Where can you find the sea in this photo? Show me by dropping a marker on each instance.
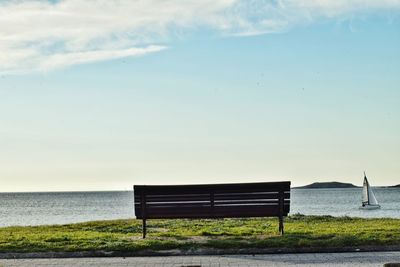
(72, 207)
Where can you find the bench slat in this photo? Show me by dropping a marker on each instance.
(178, 205)
(216, 202)
(176, 198)
(217, 212)
(216, 188)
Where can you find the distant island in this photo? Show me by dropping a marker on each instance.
(327, 185)
(391, 186)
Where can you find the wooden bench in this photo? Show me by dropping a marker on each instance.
(212, 201)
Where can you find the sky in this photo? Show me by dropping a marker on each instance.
(102, 95)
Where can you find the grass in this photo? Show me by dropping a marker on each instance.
(125, 235)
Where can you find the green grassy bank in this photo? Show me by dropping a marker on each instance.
(125, 235)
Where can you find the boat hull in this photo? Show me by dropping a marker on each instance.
(370, 207)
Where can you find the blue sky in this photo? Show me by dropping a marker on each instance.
(310, 97)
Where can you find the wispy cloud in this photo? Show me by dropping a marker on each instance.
(71, 58)
(44, 35)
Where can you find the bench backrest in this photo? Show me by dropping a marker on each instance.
(212, 200)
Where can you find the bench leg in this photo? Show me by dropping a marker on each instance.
(281, 224)
(144, 228)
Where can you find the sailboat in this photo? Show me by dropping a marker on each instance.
(369, 201)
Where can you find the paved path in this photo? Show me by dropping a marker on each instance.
(312, 259)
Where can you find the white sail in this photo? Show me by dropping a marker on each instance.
(372, 198)
(365, 191)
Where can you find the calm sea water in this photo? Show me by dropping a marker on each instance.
(70, 207)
